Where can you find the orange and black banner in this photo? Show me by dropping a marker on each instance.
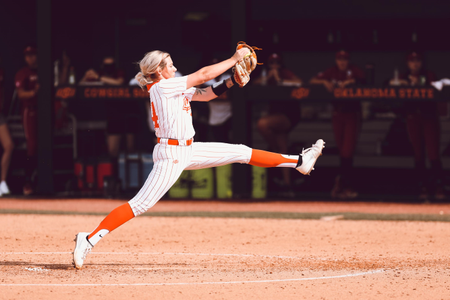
(316, 93)
(273, 93)
(95, 92)
(386, 93)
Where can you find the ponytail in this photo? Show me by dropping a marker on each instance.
(142, 80)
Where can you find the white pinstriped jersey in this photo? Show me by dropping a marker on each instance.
(171, 108)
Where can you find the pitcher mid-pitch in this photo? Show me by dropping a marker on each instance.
(176, 151)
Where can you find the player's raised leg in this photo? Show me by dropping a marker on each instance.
(207, 155)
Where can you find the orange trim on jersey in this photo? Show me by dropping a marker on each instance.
(154, 116)
(174, 142)
(149, 86)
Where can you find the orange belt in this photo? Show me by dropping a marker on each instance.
(174, 142)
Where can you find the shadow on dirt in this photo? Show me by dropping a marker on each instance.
(35, 265)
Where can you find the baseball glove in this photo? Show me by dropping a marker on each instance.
(244, 67)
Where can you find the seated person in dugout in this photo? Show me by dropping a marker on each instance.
(282, 116)
(424, 129)
(121, 117)
(346, 120)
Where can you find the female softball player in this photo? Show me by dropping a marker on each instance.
(175, 151)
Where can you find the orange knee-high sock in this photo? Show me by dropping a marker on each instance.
(267, 159)
(117, 217)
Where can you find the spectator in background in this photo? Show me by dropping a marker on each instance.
(282, 116)
(64, 75)
(27, 87)
(423, 126)
(5, 139)
(121, 117)
(65, 70)
(220, 111)
(346, 119)
(107, 74)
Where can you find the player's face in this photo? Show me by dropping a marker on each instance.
(342, 64)
(169, 70)
(414, 66)
(108, 61)
(31, 60)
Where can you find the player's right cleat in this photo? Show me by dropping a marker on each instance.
(82, 249)
(309, 157)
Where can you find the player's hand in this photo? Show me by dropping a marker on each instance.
(91, 74)
(414, 80)
(328, 85)
(275, 74)
(239, 54)
(88, 74)
(398, 82)
(347, 82)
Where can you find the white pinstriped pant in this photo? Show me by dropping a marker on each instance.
(170, 161)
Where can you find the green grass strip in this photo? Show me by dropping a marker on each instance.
(258, 215)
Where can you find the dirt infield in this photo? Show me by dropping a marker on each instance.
(224, 258)
(106, 205)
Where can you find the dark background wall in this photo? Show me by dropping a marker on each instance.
(307, 33)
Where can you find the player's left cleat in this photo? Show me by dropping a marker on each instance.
(309, 157)
(82, 249)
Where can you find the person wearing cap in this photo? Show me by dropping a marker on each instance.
(424, 129)
(27, 88)
(282, 116)
(5, 140)
(346, 119)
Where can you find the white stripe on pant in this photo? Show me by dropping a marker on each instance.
(170, 161)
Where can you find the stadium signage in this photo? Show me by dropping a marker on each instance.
(300, 93)
(385, 93)
(101, 92)
(96, 92)
(66, 92)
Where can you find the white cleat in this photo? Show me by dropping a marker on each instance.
(82, 249)
(310, 156)
(4, 190)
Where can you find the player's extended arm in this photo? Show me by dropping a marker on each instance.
(294, 79)
(111, 81)
(209, 72)
(211, 92)
(316, 80)
(327, 84)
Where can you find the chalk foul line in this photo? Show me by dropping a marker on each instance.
(178, 283)
(192, 283)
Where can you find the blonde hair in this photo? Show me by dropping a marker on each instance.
(149, 66)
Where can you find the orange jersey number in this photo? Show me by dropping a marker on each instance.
(154, 117)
